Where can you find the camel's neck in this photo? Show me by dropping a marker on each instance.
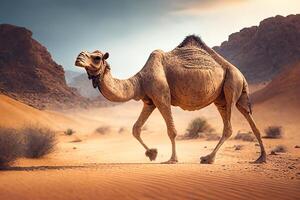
(119, 90)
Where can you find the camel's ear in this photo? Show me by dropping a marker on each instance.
(105, 56)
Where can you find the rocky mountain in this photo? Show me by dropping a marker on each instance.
(85, 86)
(261, 52)
(29, 74)
(70, 75)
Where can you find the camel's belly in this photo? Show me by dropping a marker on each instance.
(194, 89)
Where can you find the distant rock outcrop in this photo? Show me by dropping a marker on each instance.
(261, 52)
(85, 86)
(28, 73)
(70, 75)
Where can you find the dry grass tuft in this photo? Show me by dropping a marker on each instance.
(122, 130)
(238, 147)
(103, 130)
(273, 132)
(279, 149)
(69, 131)
(11, 146)
(39, 141)
(200, 128)
(249, 137)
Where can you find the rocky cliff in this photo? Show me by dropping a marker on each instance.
(29, 74)
(261, 52)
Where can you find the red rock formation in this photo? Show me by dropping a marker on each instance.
(261, 52)
(28, 73)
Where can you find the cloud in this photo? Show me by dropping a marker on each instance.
(200, 7)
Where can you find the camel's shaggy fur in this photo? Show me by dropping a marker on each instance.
(191, 76)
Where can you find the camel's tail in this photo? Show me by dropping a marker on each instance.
(244, 99)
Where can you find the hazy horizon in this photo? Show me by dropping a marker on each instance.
(129, 30)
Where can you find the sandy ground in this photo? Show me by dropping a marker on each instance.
(113, 166)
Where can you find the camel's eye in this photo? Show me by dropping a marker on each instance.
(97, 58)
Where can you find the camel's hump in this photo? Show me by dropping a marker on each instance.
(191, 57)
(192, 40)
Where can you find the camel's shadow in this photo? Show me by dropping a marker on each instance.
(40, 168)
(62, 167)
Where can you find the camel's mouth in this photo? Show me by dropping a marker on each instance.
(79, 63)
(81, 60)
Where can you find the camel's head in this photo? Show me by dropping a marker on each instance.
(94, 63)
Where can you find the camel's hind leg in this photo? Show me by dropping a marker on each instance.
(136, 130)
(232, 89)
(224, 109)
(243, 106)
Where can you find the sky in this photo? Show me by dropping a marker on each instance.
(131, 29)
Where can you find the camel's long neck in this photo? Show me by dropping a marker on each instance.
(119, 90)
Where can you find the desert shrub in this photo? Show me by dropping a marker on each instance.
(238, 147)
(210, 136)
(198, 128)
(249, 137)
(273, 132)
(69, 131)
(11, 146)
(39, 141)
(279, 149)
(122, 130)
(103, 130)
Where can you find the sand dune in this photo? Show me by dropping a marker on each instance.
(278, 102)
(113, 165)
(143, 181)
(16, 114)
(284, 89)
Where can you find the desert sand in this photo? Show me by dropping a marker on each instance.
(113, 165)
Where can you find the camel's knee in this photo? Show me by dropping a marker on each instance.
(136, 130)
(172, 134)
(227, 132)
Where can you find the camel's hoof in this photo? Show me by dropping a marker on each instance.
(207, 159)
(171, 161)
(262, 159)
(151, 153)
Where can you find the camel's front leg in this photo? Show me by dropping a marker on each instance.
(165, 110)
(136, 130)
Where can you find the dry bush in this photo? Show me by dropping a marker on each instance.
(210, 136)
(122, 130)
(69, 131)
(103, 130)
(249, 137)
(279, 149)
(199, 128)
(39, 141)
(273, 132)
(11, 146)
(238, 147)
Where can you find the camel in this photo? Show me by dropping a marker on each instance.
(191, 76)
